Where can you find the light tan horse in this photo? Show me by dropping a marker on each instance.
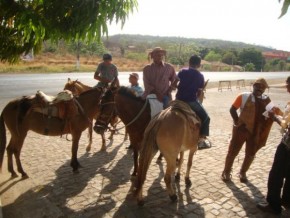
(19, 118)
(173, 131)
(76, 87)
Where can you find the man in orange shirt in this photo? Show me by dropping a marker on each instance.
(251, 126)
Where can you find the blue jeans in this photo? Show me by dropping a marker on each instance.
(202, 114)
(165, 101)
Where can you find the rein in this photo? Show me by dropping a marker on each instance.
(82, 110)
(137, 116)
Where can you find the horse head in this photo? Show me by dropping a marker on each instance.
(107, 111)
(76, 87)
(71, 85)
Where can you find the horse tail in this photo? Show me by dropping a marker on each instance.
(2, 140)
(149, 148)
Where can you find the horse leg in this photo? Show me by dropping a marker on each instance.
(75, 145)
(135, 162)
(90, 133)
(10, 151)
(189, 164)
(103, 148)
(179, 164)
(112, 134)
(18, 162)
(171, 165)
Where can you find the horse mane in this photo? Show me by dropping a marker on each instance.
(23, 107)
(81, 84)
(125, 91)
(88, 92)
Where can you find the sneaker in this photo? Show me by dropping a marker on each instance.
(285, 204)
(267, 208)
(202, 144)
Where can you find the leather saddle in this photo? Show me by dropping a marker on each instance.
(62, 105)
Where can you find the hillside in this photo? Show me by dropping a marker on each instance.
(146, 40)
(130, 53)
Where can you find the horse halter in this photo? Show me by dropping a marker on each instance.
(104, 119)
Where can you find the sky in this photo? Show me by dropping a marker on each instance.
(250, 21)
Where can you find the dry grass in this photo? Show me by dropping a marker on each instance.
(67, 63)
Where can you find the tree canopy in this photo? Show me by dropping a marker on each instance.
(285, 7)
(25, 24)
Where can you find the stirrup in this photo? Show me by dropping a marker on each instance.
(226, 177)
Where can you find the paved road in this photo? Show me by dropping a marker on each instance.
(16, 85)
(103, 186)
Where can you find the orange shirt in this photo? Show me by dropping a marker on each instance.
(238, 102)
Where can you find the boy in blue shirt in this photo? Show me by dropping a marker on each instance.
(190, 87)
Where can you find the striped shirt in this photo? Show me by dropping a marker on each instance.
(158, 78)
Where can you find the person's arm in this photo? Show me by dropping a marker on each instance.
(233, 110)
(234, 114)
(274, 115)
(97, 73)
(200, 89)
(149, 88)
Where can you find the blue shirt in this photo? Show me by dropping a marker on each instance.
(191, 80)
(139, 91)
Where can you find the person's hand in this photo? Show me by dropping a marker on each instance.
(277, 111)
(97, 77)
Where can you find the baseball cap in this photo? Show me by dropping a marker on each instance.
(136, 75)
(107, 56)
(261, 81)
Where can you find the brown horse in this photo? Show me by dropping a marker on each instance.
(173, 131)
(20, 118)
(76, 87)
(132, 110)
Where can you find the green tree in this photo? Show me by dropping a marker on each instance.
(282, 65)
(285, 7)
(249, 67)
(25, 24)
(252, 55)
(229, 58)
(213, 56)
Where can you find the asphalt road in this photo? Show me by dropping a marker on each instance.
(16, 85)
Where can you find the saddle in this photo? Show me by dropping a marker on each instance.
(62, 105)
(189, 114)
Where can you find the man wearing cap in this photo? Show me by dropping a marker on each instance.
(134, 85)
(250, 127)
(159, 77)
(106, 72)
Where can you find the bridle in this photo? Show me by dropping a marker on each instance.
(103, 125)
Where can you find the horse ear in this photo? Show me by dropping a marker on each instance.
(68, 80)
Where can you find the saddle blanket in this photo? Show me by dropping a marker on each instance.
(155, 105)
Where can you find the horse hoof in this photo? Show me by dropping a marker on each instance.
(188, 182)
(13, 175)
(103, 149)
(177, 177)
(25, 176)
(173, 197)
(134, 176)
(140, 203)
(88, 149)
(76, 171)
